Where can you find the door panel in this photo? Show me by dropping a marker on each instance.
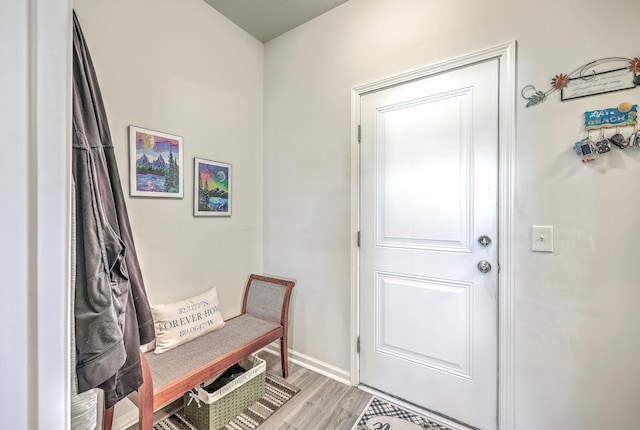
(428, 324)
(409, 194)
(437, 309)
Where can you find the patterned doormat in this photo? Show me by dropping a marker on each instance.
(378, 410)
(276, 393)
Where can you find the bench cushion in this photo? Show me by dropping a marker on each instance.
(176, 363)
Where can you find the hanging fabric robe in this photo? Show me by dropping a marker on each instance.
(84, 413)
(112, 313)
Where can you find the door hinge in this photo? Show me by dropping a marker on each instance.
(359, 133)
(358, 239)
(358, 345)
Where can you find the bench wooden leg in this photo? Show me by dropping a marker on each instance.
(145, 411)
(142, 398)
(284, 357)
(145, 398)
(107, 418)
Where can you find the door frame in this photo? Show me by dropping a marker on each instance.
(506, 56)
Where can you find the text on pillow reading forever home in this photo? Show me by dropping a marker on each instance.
(191, 315)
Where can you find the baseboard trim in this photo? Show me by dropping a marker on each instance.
(125, 415)
(315, 365)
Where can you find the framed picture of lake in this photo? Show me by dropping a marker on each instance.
(212, 188)
(156, 164)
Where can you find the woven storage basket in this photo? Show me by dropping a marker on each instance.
(213, 411)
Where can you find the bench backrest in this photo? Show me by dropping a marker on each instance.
(267, 298)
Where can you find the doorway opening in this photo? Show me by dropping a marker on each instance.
(504, 57)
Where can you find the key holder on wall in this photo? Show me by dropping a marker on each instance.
(623, 116)
(588, 81)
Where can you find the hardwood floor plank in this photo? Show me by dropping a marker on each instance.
(322, 403)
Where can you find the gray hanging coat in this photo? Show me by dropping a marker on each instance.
(112, 313)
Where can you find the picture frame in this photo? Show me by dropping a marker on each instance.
(593, 84)
(156, 167)
(212, 186)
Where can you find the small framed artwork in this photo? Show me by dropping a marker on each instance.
(155, 164)
(598, 83)
(212, 188)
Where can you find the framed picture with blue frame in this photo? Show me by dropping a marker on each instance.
(156, 164)
(212, 188)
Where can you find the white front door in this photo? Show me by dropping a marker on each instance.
(428, 314)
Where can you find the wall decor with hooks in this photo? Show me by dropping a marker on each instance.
(623, 116)
(589, 80)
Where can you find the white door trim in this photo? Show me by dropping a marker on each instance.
(506, 55)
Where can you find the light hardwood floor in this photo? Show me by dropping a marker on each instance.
(322, 403)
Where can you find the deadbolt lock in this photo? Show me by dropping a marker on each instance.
(484, 240)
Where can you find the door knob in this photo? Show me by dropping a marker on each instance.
(484, 266)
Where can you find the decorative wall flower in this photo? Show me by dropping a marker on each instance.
(634, 65)
(560, 81)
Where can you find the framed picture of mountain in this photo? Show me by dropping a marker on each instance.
(156, 165)
(212, 188)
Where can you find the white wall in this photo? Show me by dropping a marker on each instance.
(14, 228)
(576, 333)
(34, 179)
(182, 68)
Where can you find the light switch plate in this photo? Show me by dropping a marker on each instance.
(542, 238)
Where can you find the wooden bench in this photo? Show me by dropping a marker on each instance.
(167, 376)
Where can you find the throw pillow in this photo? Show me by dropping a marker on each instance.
(180, 322)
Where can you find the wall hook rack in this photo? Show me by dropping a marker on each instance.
(586, 80)
(624, 115)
